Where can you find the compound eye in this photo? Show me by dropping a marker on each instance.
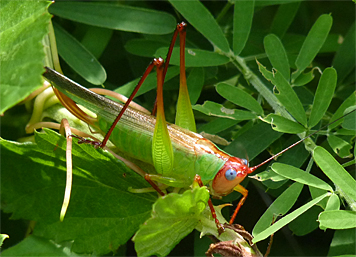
(230, 174)
(245, 162)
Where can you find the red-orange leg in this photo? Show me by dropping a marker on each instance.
(213, 213)
(153, 184)
(181, 30)
(244, 193)
(148, 70)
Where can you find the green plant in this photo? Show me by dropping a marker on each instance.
(228, 43)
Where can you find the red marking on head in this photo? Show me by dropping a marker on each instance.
(229, 176)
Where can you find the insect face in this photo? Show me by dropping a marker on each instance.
(229, 176)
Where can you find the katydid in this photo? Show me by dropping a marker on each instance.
(178, 155)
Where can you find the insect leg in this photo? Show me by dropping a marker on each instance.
(184, 114)
(244, 193)
(65, 130)
(153, 184)
(213, 213)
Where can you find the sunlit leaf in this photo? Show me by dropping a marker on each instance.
(173, 217)
(287, 219)
(335, 171)
(333, 203)
(305, 223)
(23, 25)
(279, 207)
(300, 176)
(41, 200)
(338, 219)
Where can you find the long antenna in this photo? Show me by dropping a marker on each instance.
(252, 169)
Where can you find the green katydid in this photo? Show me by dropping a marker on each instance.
(177, 154)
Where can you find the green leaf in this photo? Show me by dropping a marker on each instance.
(144, 47)
(350, 119)
(102, 214)
(336, 173)
(115, 16)
(283, 18)
(215, 109)
(274, 2)
(284, 125)
(331, 44)
(305, 223)
(239, 97)
(96, 39)
(2, 238)
(333, 203)
(254, 140)
(343, 243)
(323, 96)
(279, 207)
(287, 219)
(37, 246)
(349, 101)
(149, 83)
(243, 14)
(195, 82)
(300, 176)
(295, 156)
(78, 57)
(286, 94)
(173, 217)
(344, 60)
(217, 125)
(316, 192)
(312, 44)
(194, 57)
(203, 21)
(277, 55)
(340, 146)
(23, 26)
(304, 79)
(338, 219)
